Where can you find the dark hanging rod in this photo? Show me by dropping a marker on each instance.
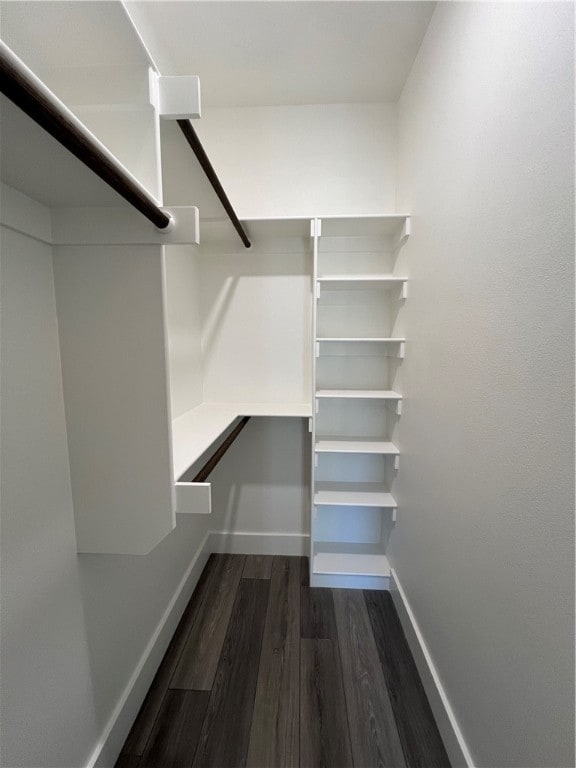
(192, 139)
(22, 87)
(217, 455)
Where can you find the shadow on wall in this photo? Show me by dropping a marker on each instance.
(272, 458)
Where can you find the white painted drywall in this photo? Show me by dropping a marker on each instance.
(484, 544)
(48, 715)
(262, 484)
(303, 160)
(256, 319)
(184, 328)
(111, 322)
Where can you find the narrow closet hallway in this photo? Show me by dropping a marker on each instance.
(264, 671)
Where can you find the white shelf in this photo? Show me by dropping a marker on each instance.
(368, 278)
(195, 431)
(353, 495)
(368, 225)
(359, 394)
(342, 564)
(380, 339)
(355, 445)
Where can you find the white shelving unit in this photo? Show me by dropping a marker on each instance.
(357, 354)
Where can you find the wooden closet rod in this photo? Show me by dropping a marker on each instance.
(217, 455)
(194, 142)
(28, 92)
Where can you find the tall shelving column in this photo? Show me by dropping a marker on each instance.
(356, 363)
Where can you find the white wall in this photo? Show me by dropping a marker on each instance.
(256, 319)
(48, 716)
(484, 545)
(303, 160)
(262, 484)
(184, 327)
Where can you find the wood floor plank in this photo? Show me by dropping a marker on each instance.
(317, 618)
(199, 658)
(373, 734)
(226, 731)
(419, 735)
(175, 735)
(324, 736)
(257, 567)
(127, 761)
(140, 732)
(274, 737)
(304, 572)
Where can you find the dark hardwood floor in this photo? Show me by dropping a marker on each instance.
(266, 672)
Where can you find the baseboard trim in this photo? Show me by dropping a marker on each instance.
(120, 721)
(452, 736)
(246, 543)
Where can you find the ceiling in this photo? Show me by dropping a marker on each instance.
(285, 52)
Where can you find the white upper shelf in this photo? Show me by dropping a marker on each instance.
(353, 495)
(380, 339)
(366, 278)
(371, 225)
(365, 394)
(355, 445)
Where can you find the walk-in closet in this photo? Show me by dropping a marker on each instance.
(287, 368)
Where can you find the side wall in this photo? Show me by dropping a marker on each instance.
(484, 546)
(48, 715)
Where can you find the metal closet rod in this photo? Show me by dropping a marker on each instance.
(217, 455)
(20, 85)
(192, 138)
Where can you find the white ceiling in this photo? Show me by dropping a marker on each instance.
(285, 52)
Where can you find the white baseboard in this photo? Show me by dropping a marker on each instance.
(106, 752)
(244, 543)
(452, 736)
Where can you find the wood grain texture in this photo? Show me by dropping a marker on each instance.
(324, 737)
(419, 735)
(127, 761)
(304, 572)
(142, 727)
(176, 731)
(317, 618)
(274, 737)
(257, 567)
(199, 659)
(226, 731)
(373, 734)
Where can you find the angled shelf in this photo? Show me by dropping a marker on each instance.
(355, 445)
(353, 495)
